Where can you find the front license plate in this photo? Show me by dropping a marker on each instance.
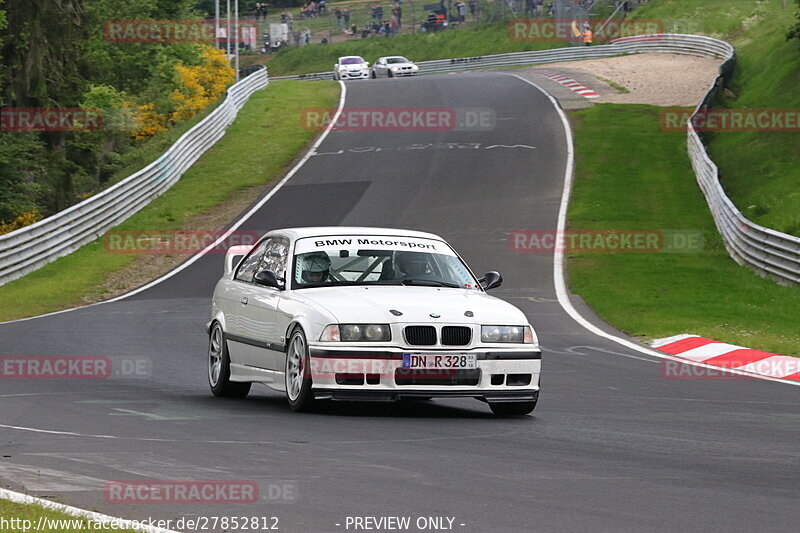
(425, 361)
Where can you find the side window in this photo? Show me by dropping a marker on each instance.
(249, 265)
(275, 256)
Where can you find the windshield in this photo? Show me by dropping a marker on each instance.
(391, 60)
(351, 61)
(371, 260)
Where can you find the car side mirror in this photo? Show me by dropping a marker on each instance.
(268, 278)
(490, 280)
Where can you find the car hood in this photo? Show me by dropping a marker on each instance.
(400, 65)
(373, 304)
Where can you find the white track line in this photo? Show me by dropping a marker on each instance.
(224, 236)
(558, 260)
(118, 523)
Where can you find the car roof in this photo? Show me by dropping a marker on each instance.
(347, 57)
(399, 57)
(326, 231)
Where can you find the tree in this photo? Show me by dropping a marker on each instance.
(794, 31)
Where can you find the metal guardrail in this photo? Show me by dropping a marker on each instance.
(768, 252)
(29, 248)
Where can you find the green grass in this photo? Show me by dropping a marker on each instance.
(69, 524)
(615, 85)
(264, 139)
(143, 153)
(476, 40)
(652, 295)
(760, 170)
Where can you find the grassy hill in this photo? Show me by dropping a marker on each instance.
(760, 170)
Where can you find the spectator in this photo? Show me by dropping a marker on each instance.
(473, 8)
(462, 11)
(353, 30)
(346, 17)
(323, 6)
(338, 14)
(307, 35)
(397, 11)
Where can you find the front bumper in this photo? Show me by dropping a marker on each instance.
(378, 374)
(360, 75)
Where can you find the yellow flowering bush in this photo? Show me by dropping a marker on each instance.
(147, 121)
(25, 219)
(201, 84)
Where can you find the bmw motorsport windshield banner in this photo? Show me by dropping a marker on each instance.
(372, 242)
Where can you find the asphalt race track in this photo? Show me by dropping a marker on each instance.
(612, 445)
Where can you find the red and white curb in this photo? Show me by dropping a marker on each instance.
(569, 83)
(730, 356)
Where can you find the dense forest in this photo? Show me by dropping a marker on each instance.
(59, 61)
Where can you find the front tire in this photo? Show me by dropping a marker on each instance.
(512, 408)
(219, 367)
(297, 374)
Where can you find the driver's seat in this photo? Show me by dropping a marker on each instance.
(387, 270)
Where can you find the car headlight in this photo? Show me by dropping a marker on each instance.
(517, 334)
(342, 68)
(356, 333)
(414, 67)
(395, 69)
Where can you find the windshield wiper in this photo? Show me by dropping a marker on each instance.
(430, 283)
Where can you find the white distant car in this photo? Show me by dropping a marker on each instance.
(367, 313)
(351, 68)
(393, 66)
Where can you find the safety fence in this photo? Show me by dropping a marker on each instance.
(29, 248)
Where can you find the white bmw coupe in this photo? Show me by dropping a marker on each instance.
(367, 314)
